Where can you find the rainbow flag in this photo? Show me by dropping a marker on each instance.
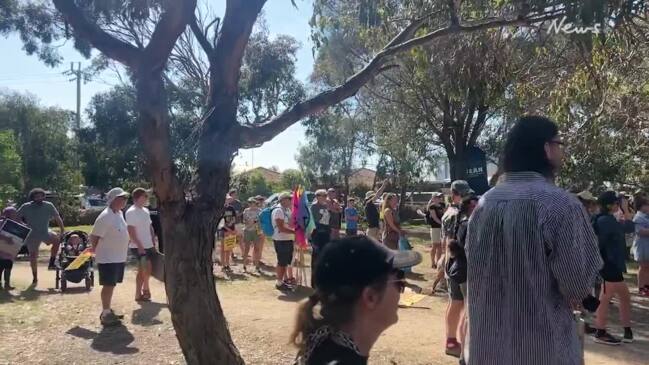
(301, 217)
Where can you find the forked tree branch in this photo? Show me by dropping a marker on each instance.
(255, 135)
(175, 17)
(201, 37)
(123, 52)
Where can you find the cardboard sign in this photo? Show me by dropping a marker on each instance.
(80, 260)
(12, 238)
(230, 242)
(158, 266)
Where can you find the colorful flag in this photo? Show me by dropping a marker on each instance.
(301, 217)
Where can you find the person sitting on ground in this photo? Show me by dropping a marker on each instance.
(612, 245)
(351, 218)
(358, 283)
(251, 234)
(7, 265)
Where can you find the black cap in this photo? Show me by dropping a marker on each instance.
(357, 262)
(607, 198)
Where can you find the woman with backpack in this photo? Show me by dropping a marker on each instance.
(612, 246)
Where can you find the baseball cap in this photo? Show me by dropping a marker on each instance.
(252, 200)
(462, 187)
(586, 195)
(115, 193)
(357, 262)
(259, 197)
(369, 194)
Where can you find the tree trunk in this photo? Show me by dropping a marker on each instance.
(201, 327)
(457, 164)
(403, 184)
(188, 232)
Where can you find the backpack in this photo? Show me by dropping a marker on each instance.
(266, 220)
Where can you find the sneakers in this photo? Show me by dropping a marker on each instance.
(606, 338)
(453, 348)
(628, 335)
(282, 286)
(110, 319)
(589, 330)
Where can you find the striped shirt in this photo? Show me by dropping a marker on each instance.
(531, 250)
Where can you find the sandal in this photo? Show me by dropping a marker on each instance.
(146, 295)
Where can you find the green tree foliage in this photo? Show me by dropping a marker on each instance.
(47, 153)
(10, 165)
(292, 178)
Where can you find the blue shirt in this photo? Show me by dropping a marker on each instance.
(349, 213)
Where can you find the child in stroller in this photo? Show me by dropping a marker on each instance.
(74, 243)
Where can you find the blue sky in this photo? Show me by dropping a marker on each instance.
(24, 73)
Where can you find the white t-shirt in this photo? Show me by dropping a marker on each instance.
(111, 229)
(141, 220)
(285, 215)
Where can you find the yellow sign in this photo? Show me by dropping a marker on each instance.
(230, 242)
(80, 260)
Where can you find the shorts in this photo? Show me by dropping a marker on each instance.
(111, 274)
(611, 274)
(34, 242)
(250, 236)
(351, 232)
(148, 252)
(454, 290)
(284, 251)
(436, 235)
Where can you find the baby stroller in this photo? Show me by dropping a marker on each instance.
(74, 243)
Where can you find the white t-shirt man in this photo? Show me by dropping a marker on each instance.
(140, 219)
(111, 229)
(284, 215)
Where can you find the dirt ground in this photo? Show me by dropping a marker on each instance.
(42, 326)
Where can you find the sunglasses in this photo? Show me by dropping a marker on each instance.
(400, 282)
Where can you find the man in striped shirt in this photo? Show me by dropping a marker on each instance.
(531, 252)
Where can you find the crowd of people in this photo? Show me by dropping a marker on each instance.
(516, 262)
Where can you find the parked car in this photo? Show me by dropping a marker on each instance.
(92, 203)
(272, 200)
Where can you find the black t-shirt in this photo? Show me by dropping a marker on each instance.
(439, 212)
(329, 352)
(371, 214)
(229, 217)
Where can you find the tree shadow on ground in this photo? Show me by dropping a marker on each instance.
(147, 313)
(301, 292)
(115, 340)
(6, 296)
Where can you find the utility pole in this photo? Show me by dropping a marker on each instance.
(77, 75)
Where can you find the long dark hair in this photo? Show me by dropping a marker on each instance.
(328, 308)
(525, 146)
